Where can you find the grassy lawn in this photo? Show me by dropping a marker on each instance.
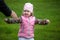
(43, 9)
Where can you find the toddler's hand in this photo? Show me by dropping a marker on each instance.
(47, 21)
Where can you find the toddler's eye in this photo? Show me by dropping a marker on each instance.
(26, 14)
(26, 10)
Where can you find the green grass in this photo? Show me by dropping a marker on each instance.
(43, 9)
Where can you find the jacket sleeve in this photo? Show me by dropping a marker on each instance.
(41, 22)
(12, 21)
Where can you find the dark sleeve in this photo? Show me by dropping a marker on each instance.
(11, 20)
(38, 21)
(5, 9)
(41, 22)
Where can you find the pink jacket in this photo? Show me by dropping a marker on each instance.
(27, 27)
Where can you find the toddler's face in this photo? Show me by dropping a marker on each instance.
(27, 13)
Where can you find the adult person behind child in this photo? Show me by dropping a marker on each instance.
(6, 11)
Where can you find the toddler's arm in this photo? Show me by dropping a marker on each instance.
(42, 22)
(11, 20)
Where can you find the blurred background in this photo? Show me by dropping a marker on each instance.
(43, 9)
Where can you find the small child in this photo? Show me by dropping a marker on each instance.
(27, 22)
